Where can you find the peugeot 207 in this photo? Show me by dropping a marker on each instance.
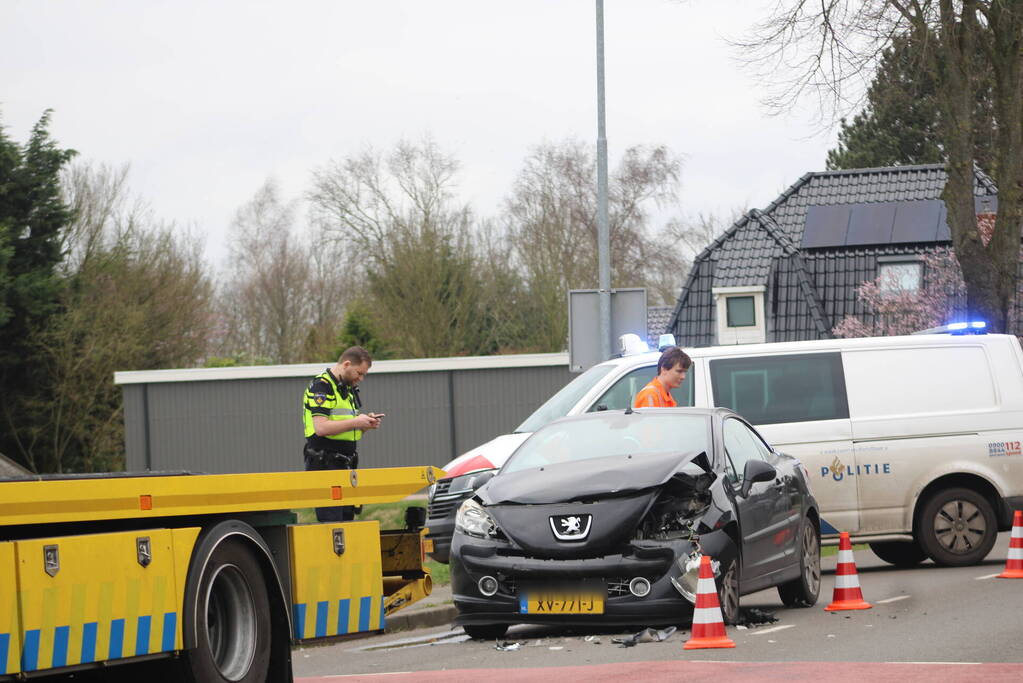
(603, 518)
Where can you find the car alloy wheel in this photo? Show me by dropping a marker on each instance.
(728, 593)
(803, 592)
(958, 527)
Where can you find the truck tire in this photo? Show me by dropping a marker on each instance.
(232, 618)
(899, 553)
(957, 527)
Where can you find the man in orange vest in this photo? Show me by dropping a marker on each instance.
(671, 372)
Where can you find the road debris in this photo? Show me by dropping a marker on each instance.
(647, 635)
(753, 616)
(507, 646)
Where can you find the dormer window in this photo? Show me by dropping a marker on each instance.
(740, 314)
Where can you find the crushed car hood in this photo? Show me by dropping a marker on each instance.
(586, 479)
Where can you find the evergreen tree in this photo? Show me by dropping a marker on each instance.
(899, 124)
(358, 330)
(32, 216)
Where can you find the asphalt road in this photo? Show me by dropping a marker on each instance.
(924, 614)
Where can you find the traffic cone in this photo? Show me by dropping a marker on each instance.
(847, 583)
(1014, 565)
(708, 626)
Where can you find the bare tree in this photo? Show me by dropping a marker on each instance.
(282, 300)
(416, 246)
(551, 224)
(831, 45)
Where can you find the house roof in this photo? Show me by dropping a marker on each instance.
(863, 186)
(742, 255)
(657, 320)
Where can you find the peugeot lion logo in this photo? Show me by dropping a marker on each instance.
(571, 527)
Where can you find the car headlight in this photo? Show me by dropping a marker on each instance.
(472, 519)
(689, 578)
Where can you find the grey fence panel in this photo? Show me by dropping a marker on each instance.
(493, 402)
(416, 430)
(255, 425)
(135, 430)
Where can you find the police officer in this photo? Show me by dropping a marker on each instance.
(333, 425)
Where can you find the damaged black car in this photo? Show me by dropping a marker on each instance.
(602, 519)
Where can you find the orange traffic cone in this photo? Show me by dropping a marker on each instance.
(708, 626)
(847, 583)
(1014, 565)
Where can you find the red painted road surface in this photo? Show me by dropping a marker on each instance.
(720, 672)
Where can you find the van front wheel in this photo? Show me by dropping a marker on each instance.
(957, 527)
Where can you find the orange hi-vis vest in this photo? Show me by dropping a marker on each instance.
(653, 395)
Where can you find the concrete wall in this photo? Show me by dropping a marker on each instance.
(250, 420)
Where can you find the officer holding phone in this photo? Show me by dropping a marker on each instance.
(333, 424)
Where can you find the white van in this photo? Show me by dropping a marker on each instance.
(913, 443)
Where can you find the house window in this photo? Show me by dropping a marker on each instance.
(740, 314)
(741, 311)
(900, 276)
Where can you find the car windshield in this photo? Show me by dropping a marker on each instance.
(611, 434)
(560, 403)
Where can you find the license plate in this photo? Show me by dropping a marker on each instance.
(561, 603)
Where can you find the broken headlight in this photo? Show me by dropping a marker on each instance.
(689, 568)
(473, 519)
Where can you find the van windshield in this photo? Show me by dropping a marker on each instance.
(560, 403)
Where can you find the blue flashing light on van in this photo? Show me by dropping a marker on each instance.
(972, 327)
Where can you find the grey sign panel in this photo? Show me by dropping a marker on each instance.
(628, 315)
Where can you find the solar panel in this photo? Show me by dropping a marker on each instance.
(826, 226)
(871, 223)
(840, 225)
(919, 221)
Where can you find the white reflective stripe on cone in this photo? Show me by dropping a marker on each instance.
(845, 557)
(847, 581)
(707, 615)
(1017, 532)
(706, 586)
(1016, 553)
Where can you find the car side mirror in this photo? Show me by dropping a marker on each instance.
(754, 471)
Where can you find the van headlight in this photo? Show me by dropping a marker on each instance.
(472, 519)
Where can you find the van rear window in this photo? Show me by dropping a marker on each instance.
(773, 389)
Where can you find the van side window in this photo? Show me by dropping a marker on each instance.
(741, 445)
(773, 389)
(621, 393)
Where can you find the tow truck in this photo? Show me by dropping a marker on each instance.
(210, 572)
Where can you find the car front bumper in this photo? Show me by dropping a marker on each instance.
(472, 559)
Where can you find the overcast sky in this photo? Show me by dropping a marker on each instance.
(207, 99)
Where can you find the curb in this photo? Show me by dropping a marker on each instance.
(424, 618)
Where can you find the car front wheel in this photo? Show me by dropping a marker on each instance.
(803, 592)
(728, 593)
(957, 527)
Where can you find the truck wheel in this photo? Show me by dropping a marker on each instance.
(803, 592)
(232, 613)
(900, 553)
(957, 527)
(485, 631)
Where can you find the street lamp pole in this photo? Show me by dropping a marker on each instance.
(603, 231)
